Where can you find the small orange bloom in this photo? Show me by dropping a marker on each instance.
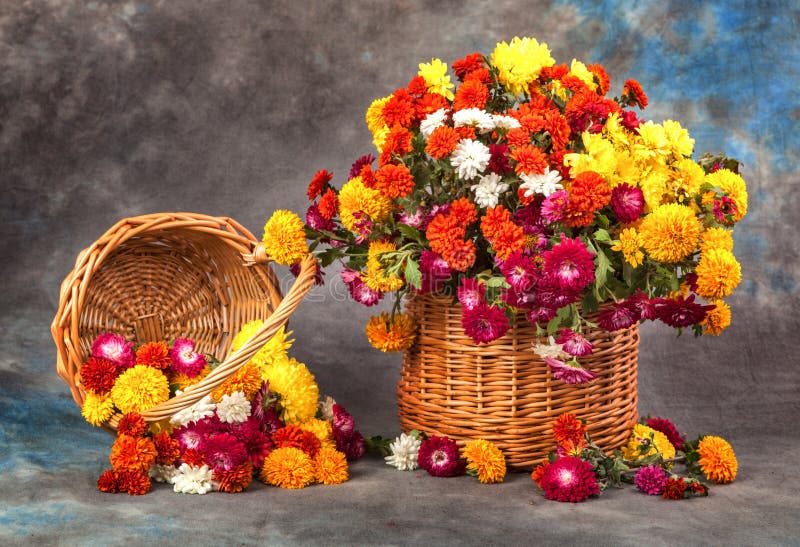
(154, 354)
(442, 142)
(318, 183)
(530, 160)
(236, 479)
(519, 136)
(471, 94)
(588, 193)
(464, 211)
(633, 93)
(601, 77)
(328, 204)
(394, 181)
(399, 109)
(460, 255)
(429, 103)
(133, 454)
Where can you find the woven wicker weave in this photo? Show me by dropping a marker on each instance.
(503, 392)
(169, 275)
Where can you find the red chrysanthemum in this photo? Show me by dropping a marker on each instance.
(417, 86)
(667, 428)
(484, 323)
(394, 181)
(569, 479)
(569, 264)
(500, 161)
(98, 374)
(568, 428)
(464, 66)
(134, 483)
(627, 202)
(132, 424)
(223, 452)
(154, 354)
(257, 444)
(632, 93)
(193, 457)
(471, 94)
(399, 109)
(328, 204)
(588, 193)
(318, 183)
(108, 482)
(236, 479)
(674, 488)
(439, 457)
(481, 74)
(530, 160)
(168, 449)
(587, 108)
(442, 141)
(554, 72)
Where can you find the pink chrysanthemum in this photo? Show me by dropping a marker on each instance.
(569, 373)
(519, 271)
(223, 452)
(114, 348)
(185, 360)
(627, 202)
(469, 293)
(359, 290)
(569, 264)
(725, 210)
(435, 272)
(540, 314)
(667, 428)
(439, 457)
(188, 436)
(681, 312)
(342, 420)
(618, 316)
(484, 323)
(574, 343)
(554, 206)
(650, 480)
(569, 479)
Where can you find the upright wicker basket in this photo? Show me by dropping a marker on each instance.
(503, 392)
(169, 275)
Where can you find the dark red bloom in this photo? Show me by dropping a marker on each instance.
(439, 457)
(223, 451)
(627, 202)
(667, 428)
(484, 323)
(674, 489)
(681, 312)
(352, 446)
(464, 66)
(108, 482)
(359, 164)
(618, 316)
(134, 482)
(569, 479)
(500, 161)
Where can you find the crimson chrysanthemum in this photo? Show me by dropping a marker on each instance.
(681, 312)
(569, 479)
(108, 482)
(674, 488)
(223, 452)
(98, 374)
(667, 428)
(617, 316)
(651, 480)
(627, 202)
(569, 264)
(439, 457)
(484, 323)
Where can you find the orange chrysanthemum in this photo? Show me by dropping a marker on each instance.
(717, 459)
(399, 109)
(588, 193)
(296, 437)
(555, 72)
(464, 211)
(236, 479)
(133, 454)
(108, 481)
(154, 354)
(501, 232)
(479, 74)
(632, 93)
(600, 77)
(168, 449)
(471, 94)
(530, 160)
(575, 84)
(538, 472)
(328, 204)
(442, 142)
(183, 381)
(132, 424)
(558, 128)
(98, 374)
(397, 143)
(718, 273)
(430, 103)
(717, 319)
(466, 132)
(193, 458)
(318, 183)
(391, 333)
(247, 380)
(460, 255)
(568, 428)
(394, 181)
(493, 219)
(330, 466)
(518, 137)
(288, 468)
(485, 460)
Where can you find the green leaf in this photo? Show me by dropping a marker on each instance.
(409, 232)
(327, 256)
(602, 267)
(602, 235)
(497, 282)
(412, 274)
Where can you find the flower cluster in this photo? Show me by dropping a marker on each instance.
(532, 189)
(579, 469)
(265, 421)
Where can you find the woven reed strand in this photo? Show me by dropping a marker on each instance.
(505, 393)
(172, 275)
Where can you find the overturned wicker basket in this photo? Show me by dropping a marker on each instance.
(168, 275)
(503, 392)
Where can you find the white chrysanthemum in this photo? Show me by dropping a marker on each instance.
(474, 117)
(505, 122)
(326, 408)
(488, 190)
(551, 349)
(192, 480)
(405, 452)
(432, 121)
(162, 473)
(545, 184)
(201, 409)
(233, 408)
(470, 158)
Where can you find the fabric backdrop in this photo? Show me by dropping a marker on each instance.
(111, 109)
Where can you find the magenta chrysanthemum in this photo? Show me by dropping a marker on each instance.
(519, 271)
(650, 480)
(316, 221)
(484, 323)
(114, 348)
(435, 272)
(359, 290)
(188, 436)
(342, 420)
(439, 457)
(643, 304)
(569, 373)
(667, 428)
(574, 343)
(256, 443)
(618, 316)
(223, 452)
(569, 264)
(469, 293)
(681, 312)
(185, 360)
(569, 479)
(627, 202)
(555, 205)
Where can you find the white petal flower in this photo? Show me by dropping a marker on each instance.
(505, 122)
(192, 480)
(470, 158)
(545, 184)
(488, 190)
(432, 121)
(405, 452)
(201, 409)
(474, 117)
(233, 408)
(163, 473)
(551, 350)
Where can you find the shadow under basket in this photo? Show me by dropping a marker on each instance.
(164, 276)
(505, 393)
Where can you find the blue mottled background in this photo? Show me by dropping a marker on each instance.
(112, 109)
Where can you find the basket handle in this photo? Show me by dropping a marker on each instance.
(192, 394)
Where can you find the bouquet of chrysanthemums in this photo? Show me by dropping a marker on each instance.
(265, 420)
(527, 187)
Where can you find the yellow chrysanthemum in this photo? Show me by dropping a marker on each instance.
(284, 238)
(375, 276)
(183, 381)
(680, 143)
(630, 244)
(436, 78)
(670, 232)
(276, 348)
(599, 157)
(617, 133)
(717, 459)
(139, 388)
(486, 460)
(321, 429)
(391, 334)
(330, 466)
(686, 180)
(653, 144)
(247, 380)
(97, 409)
(718, 273)
(579, 70)
(653, 441)
(374, 116)
(358, 203)
(299, 393)
(519, 63)
(716, 238)
(733, 185)
(717, 319)
(288, 467)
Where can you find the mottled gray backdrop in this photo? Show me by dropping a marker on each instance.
(113, 109)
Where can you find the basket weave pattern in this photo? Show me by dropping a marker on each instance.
(172, 275)
(503, 392)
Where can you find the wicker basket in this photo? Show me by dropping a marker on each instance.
(168, 275)
(503, 392)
